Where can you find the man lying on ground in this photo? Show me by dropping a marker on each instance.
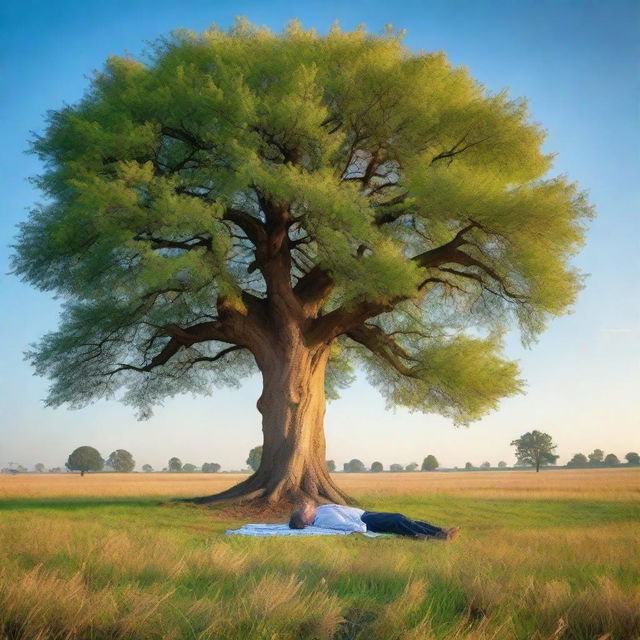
(336, 516)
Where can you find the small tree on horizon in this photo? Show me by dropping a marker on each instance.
(147, 468)
(210, 467)
(535, 448)
(632, 458)
(376, 467)
(611, 460)
(39, 467)
(174, 465)
(354, 466)
(485, 465)
(430, 463)
(396, 468)
(502, 464)
(121, 461)
(188, 468)
(596, 457)
(468, 466)
(578, 461)
(85, 459)
(254, 458)
(413, 466)
(331, 466)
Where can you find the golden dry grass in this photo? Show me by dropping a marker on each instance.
(621, 484)
(549, 556)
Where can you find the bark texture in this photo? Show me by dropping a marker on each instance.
(292, 406)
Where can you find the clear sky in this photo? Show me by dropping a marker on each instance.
(577, 62)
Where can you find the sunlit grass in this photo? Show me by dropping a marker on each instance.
(556, 563)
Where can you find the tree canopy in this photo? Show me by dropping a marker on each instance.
(409, 209)
(121, 460)
(430, 463)
(255, 455)
(85, 459)
(534, 448)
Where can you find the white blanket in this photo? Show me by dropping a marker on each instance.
(264, 530)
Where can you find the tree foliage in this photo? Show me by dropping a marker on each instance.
(611, 460)
(413, 210)
(85, 459)
(632, 458)
(147, 468)
(121, 460)
(396, 468)
(174, 464)
(535, 448)
(578, 461)
(354, 466)
(255, 456)
(210, 467)
(596, 457)
(331, 466)
(430, 463)
(376, 467)
(412, 466)
(188, 467)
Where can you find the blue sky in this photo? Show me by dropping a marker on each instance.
(578, 65)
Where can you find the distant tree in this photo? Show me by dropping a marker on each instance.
(21, 469)
(376, 467)
(611, 460)
(147, 468)
(210, 467)
(485, 465)
(535, 448)
(188, 467)
(430, 463)
(39, 467)
(255, 457)
(502, 464)
(578, 461)
(596, 457)
(331, 466)
(85, 459)
(411, 467)
(175, 464)
(632, 458)
(55, 470)
(355, 466)
(468, 466)
(396, 468)
(121, 460)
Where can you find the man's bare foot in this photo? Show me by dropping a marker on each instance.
(452, 534)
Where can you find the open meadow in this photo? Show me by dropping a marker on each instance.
(541, 556)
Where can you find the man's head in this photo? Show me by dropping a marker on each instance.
(302, 515)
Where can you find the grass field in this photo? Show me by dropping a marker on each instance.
(542, 556)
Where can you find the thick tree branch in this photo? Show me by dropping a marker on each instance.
(381, 344)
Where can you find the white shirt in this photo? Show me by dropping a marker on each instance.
(336, 516)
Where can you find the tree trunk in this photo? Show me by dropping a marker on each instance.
(292, 405)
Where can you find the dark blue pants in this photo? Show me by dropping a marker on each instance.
(397, 523)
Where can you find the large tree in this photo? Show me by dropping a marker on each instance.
(297, 205)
